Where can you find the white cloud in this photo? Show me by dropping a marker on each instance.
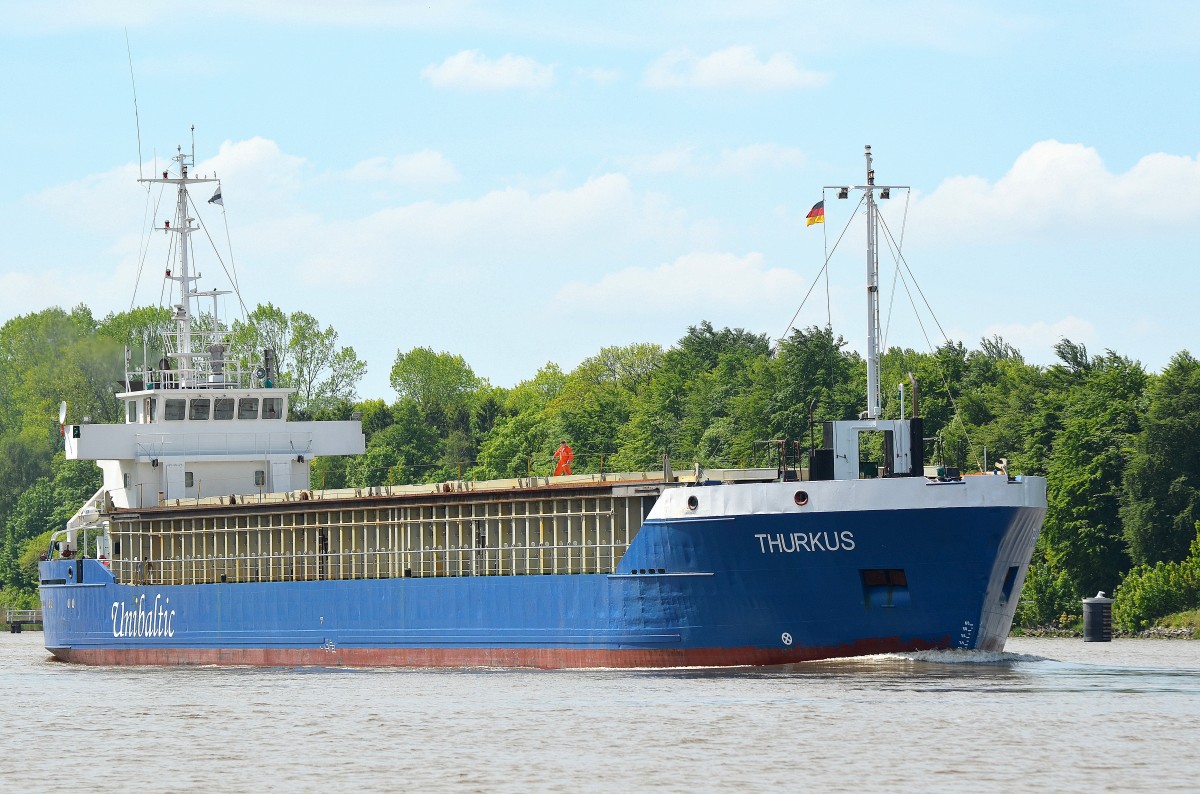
(111, 199)
(603, 219)
(369, 14)
(733, 67)
(427, 167)
(672, 161)
(695, 284)
(730, 162)
(1055, 187)
(599, 75)
(760, 155)
(472, 70)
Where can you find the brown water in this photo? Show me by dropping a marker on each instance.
(1050, 715)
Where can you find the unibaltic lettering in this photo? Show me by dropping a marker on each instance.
(135, 620)
(792, 542)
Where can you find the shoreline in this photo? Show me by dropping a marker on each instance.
(1153, 633)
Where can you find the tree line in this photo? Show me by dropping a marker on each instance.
(1119, 446)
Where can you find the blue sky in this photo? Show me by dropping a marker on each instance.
(523, 183)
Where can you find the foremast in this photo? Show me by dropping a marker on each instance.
(902, 438)
(873, 342)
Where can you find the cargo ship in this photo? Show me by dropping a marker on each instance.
(207, 545)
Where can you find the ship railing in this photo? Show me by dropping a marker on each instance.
(187, 378)
(162, 445)
(527, 560)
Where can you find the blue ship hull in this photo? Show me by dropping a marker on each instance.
(718, 590)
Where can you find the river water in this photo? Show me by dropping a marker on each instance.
(1048, 714)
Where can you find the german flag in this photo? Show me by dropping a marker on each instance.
(816, 214)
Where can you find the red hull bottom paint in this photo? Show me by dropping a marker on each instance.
(543, 658)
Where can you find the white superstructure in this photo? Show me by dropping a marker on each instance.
(195, 425)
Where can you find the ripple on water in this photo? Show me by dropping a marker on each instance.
(1055, 715)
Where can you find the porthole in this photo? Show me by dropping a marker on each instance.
(801, 498)
(693, 503)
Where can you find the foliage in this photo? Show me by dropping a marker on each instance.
(141, 330)
(1099, 422)
(1151, 592)
(440, 384)
(692, 406)
(307, 357)
(1048, 597)
(43, 508)
(1162, 483)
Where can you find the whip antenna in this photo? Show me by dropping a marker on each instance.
(136, 120)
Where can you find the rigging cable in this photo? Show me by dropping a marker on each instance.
(148, 215)
(932, 350)
(895, 252)
(825, 235)
(822, 270)
(231, 276)
(136, 119)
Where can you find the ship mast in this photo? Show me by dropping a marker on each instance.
(873, 326)
(872, 293)
(190, 361)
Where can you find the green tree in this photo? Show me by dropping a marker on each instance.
(44, 507)
(308, 357)
(1099, 422)
(141, 331)
(1150, 592)
(816, 376)
(694, 385)
(522, 428)
(1162, 482)
(441, 385)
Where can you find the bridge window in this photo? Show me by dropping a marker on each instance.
(260, 478)
(174, 410)
(248, 408)
(131, 411)
(188, 480)
(198, 409)
(223, 408)
(272, 408)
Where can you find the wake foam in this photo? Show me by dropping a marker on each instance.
(961, 656)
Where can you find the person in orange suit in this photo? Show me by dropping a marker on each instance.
(564, 455)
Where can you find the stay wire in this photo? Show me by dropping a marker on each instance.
(900, 254)
(144, 243)
(823, 270)
(228, 275)
(933, 352)
(895, 259)
(825, 235)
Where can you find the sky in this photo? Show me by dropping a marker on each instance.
(523, 183)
